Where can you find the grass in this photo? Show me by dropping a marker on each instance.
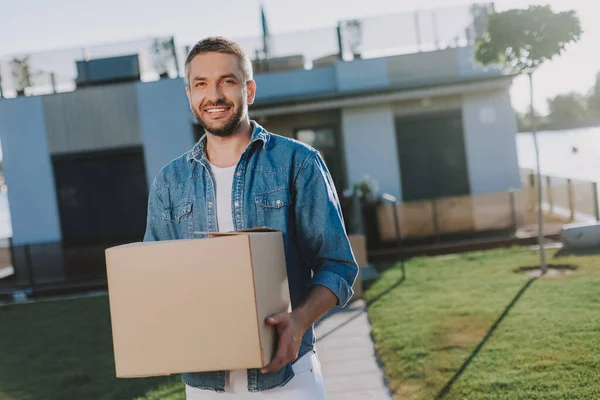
(426, 323)
(63, 350)
(546, 347)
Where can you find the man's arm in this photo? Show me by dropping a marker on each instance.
(323, 242)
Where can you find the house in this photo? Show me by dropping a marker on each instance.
(424, 125)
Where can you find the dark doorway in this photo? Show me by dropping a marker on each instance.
(432, 156)
(102, 196)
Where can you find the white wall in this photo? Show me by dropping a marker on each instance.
(369, 138)
(490, 126)
(28, 172)
(165, 123)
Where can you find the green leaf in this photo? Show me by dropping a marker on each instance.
(525, 39)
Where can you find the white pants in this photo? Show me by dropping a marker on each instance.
(307, 384)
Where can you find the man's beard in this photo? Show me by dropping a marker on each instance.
(226, 130)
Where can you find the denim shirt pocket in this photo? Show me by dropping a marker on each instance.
(180, 216)
(272, 207)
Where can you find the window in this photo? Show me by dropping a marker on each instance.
(325, 140)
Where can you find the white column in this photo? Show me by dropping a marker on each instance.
(370, 147)
(490, 126)
(28, 172)
(165, 123)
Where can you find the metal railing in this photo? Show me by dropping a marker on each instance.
(567, 198)
(57, 71)
(564, 201)
(394, 34)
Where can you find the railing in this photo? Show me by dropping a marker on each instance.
(394, 34)
(564, 201)
(45, 268)
(565, 197)
(57, 71)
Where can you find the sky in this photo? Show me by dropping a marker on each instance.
(39, 25)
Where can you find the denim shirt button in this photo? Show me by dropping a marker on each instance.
(209, 205)
(237, 204)
(238, 174)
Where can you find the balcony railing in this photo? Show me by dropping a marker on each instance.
(428, 30)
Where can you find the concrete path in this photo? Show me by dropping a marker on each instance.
(347, 355)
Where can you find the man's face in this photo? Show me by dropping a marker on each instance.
(218, 93)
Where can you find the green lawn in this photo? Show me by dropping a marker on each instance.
(63, 350)
(546, 347)
(425, 325)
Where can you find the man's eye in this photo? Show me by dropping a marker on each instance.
(230, 81)
(199, 84)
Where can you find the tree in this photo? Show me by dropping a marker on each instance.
(567, 111)
(594, 100)
(162, 51)
(21, 72)
(522, 40)
(524, 120)
(480, 14)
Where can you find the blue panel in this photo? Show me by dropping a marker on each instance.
(165, 122)
(362, 74)
(108, 69)
(289, 84)
(28, 172)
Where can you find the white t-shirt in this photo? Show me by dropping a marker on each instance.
(237, 381)
(223, 183)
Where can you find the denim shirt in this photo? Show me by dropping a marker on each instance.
(278, 183)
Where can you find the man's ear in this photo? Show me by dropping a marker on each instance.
(251, 86)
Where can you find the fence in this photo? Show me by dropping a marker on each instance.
(568, 198)
(57, 71)
(51, 267)
(394, 34)
(563, 201)
(54, 266)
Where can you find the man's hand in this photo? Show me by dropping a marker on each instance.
(290, 329)
(291, 326)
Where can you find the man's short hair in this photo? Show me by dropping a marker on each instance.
(220, 44)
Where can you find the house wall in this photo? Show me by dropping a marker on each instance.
(166, 122)
(370, 147)
(28, 171)
(92, 119)
(286, 125)
(490, 128)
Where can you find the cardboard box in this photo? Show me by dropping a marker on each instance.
(359, 248)
(196, 305)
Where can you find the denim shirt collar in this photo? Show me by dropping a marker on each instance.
(198, 151)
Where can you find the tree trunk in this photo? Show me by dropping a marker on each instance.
(543, 264)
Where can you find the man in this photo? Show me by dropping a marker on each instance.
(240, 176)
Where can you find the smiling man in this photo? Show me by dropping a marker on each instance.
(240, 176)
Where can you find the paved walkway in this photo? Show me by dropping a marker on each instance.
(347, 355)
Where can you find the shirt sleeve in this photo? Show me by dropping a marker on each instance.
(320, 229)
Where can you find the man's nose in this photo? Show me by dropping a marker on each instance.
(214, 93)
